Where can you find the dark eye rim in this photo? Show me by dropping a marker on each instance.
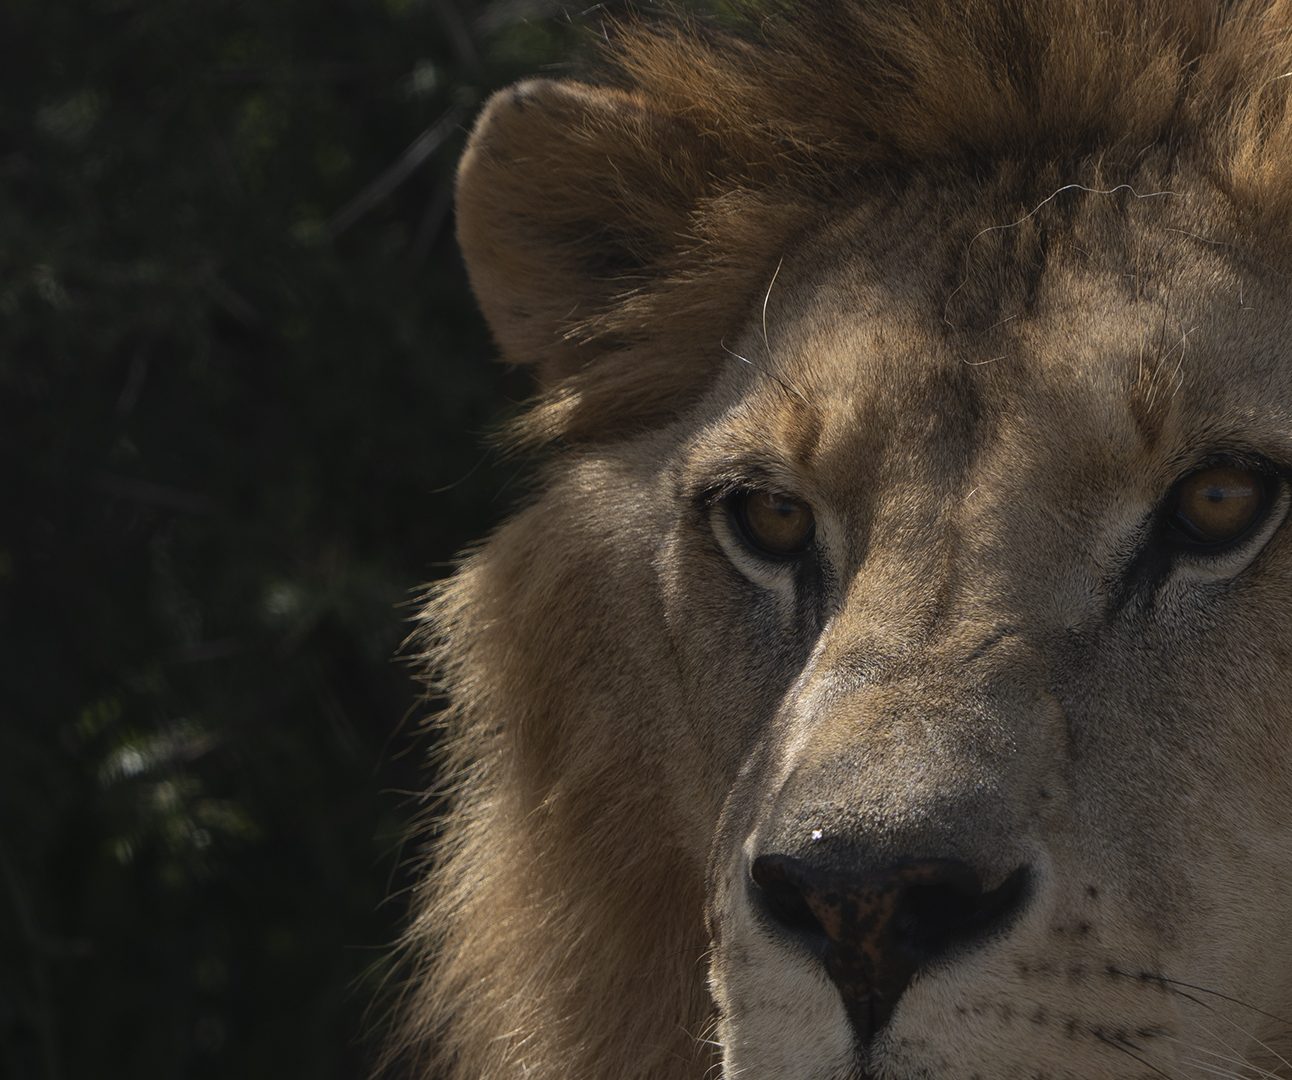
(1273, 480)
(734, 503)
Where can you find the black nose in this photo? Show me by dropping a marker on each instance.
(874, 931)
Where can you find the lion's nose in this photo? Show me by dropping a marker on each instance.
(874, 931)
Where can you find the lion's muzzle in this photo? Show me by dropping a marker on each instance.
(893, 839)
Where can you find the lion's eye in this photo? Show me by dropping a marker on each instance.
(773, 523)
(1218, 505)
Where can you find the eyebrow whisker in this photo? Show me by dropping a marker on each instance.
(787, 388)
(766, 297)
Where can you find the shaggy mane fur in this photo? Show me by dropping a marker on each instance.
(758, 126)
(740, 137)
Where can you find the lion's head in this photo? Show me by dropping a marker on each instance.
(891, 675)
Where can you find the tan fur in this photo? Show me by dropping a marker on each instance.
(978, 281)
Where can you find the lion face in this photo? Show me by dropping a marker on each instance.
(1015, 802)
(889, 678)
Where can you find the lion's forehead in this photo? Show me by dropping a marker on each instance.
(1108, 361)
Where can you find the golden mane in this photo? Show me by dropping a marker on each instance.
(816, 100)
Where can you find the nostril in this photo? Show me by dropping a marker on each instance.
(778, 889)
(935, 916)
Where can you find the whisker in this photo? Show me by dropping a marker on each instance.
(730, 352)
(1237, 1027)
(1210, 1071)
(789, 389)
(1116, 1045)
(1234, 1050)
(1240, 1061)
(785, 387)
(1212, 993)
(1217, 1037)
(767, 296)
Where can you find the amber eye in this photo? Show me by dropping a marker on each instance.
(1218, 505)
(773, 523)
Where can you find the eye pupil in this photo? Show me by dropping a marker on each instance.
(774, 523)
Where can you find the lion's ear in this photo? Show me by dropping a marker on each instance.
(569, 197)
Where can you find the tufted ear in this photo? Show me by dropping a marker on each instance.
(570, 199)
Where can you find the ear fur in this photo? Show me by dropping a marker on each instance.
(569, 197)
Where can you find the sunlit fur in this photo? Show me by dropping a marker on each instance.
(978, 281)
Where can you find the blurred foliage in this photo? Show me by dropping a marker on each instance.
(243, 391)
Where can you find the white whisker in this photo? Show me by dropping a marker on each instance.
(723, 346)
(1237, 1027)
(766, 297)
(1210, 1071)
(1240, 1061)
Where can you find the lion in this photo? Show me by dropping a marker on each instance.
(889, 676)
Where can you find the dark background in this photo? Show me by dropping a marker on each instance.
(244, 407)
